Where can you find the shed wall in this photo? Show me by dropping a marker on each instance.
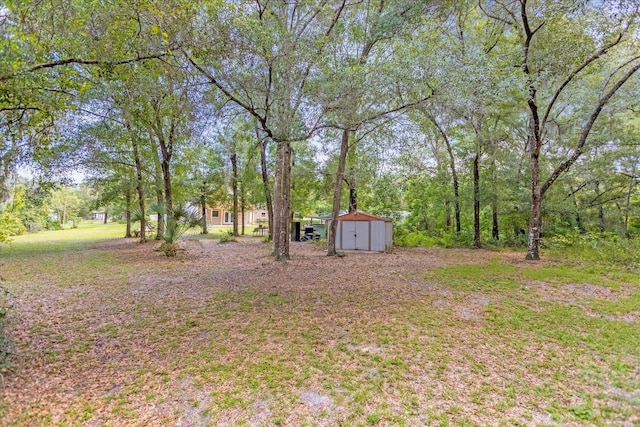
(377, 236)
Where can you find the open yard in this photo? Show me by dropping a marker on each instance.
(108, 331)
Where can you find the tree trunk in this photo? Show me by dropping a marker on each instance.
(265, 181)
(203, 205)
(166, 180)
(495, 229)
(106, 215)
(335, 212)
(454, 173)
(140, 189)
(64, 210)
(353, 198)
(158, 186)
(282, 208)
(447, 214)
(127, 211)
(601, 224)
(578, 218)
(535, 218)
(242, 207)
(277, 200)
(476, 200)
(234, 188)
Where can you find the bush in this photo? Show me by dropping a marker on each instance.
(53, 225)
(607, 248)
(5, 342)
(406, 236)
(11, 224)
(228, 237)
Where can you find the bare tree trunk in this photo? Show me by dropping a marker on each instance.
(535, 217)
(476, 198)
(627, 204)
(203, 205)
(335, 212)
(265, 180)
(281, 208)
(353, 198)
(106, 215)
(242, 205)
(234, 188)
(64, 211)
(282, 250)
(140, 189)
(127, 211)
(578, 218)
(454, 173)
(277, 200)
(495, 229)
(158, 187)
(601, 224)
(447, 214)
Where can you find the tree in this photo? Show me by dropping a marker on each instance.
(568, 28)
(272, 50)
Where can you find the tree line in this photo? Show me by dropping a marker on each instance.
(472, 119)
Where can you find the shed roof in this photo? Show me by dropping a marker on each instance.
(361, 216)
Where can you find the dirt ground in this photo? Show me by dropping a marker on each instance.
(148, 340)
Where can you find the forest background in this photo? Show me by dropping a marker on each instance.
(471, 123)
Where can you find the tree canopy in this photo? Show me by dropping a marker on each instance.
(468, 121)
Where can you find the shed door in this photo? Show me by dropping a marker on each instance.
(362, 235)
(348, 235)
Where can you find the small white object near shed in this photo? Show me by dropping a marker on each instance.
(361, 231)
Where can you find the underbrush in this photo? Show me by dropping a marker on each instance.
(605, 248)
(404, 236)
(599, 248)
(5, 342)
(228, 237)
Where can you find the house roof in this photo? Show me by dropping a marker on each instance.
(361, 216)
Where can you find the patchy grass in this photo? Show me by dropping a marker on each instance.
(111, 332)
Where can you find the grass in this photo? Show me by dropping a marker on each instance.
(126, 336)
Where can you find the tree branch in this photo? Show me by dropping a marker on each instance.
(571, 76)
(53, 64)
(587, 129)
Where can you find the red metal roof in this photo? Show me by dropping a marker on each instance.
(361, 216)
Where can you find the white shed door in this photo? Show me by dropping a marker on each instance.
(348, 235)
(362, 235)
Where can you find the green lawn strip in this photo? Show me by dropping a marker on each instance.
(70, 240)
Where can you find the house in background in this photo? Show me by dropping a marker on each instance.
(221, 215)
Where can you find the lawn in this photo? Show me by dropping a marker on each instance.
(108, 331)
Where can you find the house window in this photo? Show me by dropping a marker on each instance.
(228, 217)
(263, 214)
(215, 214)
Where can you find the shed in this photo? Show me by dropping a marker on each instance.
(364, 232)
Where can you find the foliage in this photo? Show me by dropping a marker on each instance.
(179, 219)
(406, 235)
(5, 341)
(607, 248)
(228, 237)
(11, 224)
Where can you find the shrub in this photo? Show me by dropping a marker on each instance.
(181, 218)
(228, 237)
(11, 224)
(5, 342)
(607, 248)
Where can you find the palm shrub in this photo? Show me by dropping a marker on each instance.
(180, 219)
